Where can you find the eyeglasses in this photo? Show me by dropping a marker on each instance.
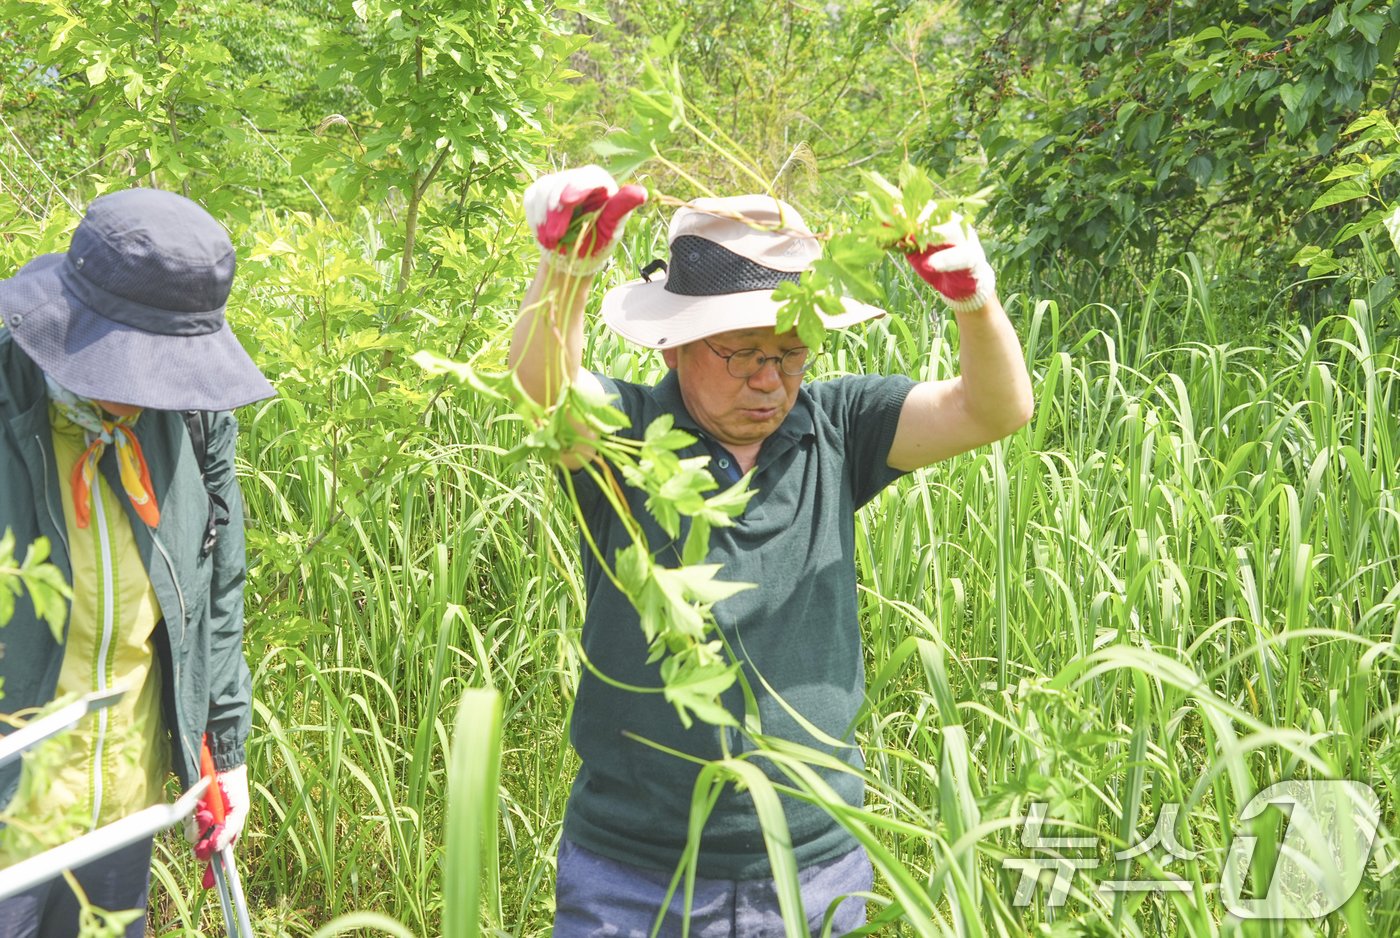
(748, 362)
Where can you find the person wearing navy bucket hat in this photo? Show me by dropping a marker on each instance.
(816, 451)
(118, 378)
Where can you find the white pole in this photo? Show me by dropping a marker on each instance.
(64, 718)
(130, 829)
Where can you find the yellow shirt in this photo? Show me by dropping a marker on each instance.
(118, 758)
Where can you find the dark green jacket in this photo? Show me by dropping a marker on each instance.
(206, 683)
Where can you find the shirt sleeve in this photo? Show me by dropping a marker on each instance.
(231, 685)
(865, 409)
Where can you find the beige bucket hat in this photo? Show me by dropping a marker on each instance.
(727, 257)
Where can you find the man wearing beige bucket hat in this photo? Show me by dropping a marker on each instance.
(818, 451)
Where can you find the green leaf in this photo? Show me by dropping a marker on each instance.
(697, 689)
(1390, 39)
(1338, 20)
(1291, 94)
(850, 261)
(1366, 121)
(1345, 171)
(791, 299)
(886, 204)
(699, 583)
(1318, 261)
(48, 591)
(435, 364)
(1200, 168)
(660, 433)
(1369, 25)
(721, 509)
(1392, 227)
(473, 793)
(658, 109)
(1343, 191)
(1248, 32)
(1366, 223)
(612, 147)
(595, 405)
(697, 541)
(1201, 82)
(916, 189)
(810, 328)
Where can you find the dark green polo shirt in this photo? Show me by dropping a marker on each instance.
(799, 629)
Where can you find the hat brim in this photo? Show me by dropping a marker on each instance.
(102, 359)
(645, 313)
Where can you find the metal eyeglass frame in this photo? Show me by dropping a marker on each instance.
(762, 360)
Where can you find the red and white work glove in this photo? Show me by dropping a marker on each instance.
(956, 267)
(202, 829)
(554, 202)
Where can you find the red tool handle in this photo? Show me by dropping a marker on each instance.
(215, 796)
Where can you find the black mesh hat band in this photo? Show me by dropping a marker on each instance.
(699, 267)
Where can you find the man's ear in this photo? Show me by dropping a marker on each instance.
(670, 355)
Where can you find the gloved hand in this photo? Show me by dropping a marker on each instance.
(204, 833)
(554, 202)
(956, 267)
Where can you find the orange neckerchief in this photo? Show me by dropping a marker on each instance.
(103, 429)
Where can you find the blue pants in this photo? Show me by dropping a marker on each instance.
(116, 882)
(596, 897)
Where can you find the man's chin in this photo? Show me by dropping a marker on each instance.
(754, 426)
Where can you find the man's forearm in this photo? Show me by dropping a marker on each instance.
(546, 349)
(996, 385)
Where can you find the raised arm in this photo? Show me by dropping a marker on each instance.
(991, 396)
(577, 216)
(546, 348)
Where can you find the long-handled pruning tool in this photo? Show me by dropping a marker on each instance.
(29, 873)
(225, 872)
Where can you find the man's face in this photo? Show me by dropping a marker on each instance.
(736, 411)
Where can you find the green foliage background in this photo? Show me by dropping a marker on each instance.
(1177, 584)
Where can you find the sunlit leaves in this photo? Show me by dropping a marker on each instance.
(1373, 153)
(904, 216)
(900, 219)
(442, 99)
(657, 106)
(161, 103)
(42, 580)
(1319, 261)
(657, 113)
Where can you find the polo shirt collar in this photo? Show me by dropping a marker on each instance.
(797, 425)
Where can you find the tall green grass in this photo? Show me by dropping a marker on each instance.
(1178, 584)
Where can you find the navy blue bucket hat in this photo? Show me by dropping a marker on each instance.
(134, 312)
